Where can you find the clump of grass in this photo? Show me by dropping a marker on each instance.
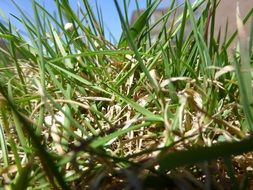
(78, 111)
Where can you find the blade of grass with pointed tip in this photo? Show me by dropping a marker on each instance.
(233, 36)
(243, 71)
(202, 47)
(139, 24)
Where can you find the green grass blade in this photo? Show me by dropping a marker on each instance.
(201, 154)
(243, 71)
(103, 140)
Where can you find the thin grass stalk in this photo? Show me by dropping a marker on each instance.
(3, 125)
(41, 62)
(211, 36)
(233, 36)
(243, 71)
(202, 48)
(133, 46)
(100, 19)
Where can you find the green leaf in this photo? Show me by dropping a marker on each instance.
(243, 72)
(201, 154)
(139, 24)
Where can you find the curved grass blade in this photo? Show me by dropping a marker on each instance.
(201, 154)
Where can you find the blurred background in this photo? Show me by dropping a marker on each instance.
(226, 13)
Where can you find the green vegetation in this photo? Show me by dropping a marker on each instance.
(78, 111)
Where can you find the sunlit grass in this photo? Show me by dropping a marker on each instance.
(78, 111)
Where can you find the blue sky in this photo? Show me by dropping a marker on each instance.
(109, 12)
